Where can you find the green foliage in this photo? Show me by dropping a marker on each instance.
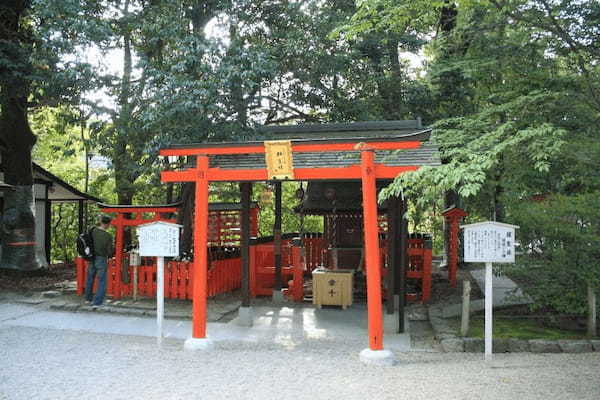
(511, 89)
(560, 240)
(290, 221)
(525, 329)
(61, 150)
(504, 101)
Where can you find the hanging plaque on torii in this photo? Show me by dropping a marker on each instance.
(278, 157)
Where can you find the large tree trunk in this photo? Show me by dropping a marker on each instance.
(185, 217)
(16, 142)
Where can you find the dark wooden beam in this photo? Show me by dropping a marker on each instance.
(80, 220)
(246, 189)
(393, 238)
(277, 237)
(402, 254)
(48, 228)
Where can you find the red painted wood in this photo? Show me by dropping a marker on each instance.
(80, 268)
(119, 236)
(200, 253)
(260, 174)
(372, 257)
(252, 276)
(167, 291)
(427, 260)
(453, 218)
(138, 210)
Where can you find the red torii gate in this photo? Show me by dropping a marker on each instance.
(137, 218)
(368, 171)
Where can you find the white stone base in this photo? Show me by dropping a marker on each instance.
(203, 344)
(278, 296)
(245, 317)
(377, 357)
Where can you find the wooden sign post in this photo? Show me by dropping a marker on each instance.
(159, 239)
(489, 242)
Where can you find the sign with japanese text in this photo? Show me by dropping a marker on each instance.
(489, 242)
(278, 157)
(159, 239)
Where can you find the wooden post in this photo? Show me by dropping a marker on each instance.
(277, 238)
(466, 303)
(488, 311)
(403, 263)
(134, 269)
(392, 249)
(371, 232)
(453, 258)
(246, 189)
(160, 297)
(452, 218)
(48, 228)
(119, 237)
(591, 325)
(81, 226)
(200, 253)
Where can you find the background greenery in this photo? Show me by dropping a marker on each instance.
(511, 89)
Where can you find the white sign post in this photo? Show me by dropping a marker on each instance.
(159, 239)
(489, 242)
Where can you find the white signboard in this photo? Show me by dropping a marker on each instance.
(489, 242)
(160, 239)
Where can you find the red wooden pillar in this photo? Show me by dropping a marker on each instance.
(119, 238)
(81, 275)
(453, 217)
(200, 253)
(427, 261)
(372, 258)
(254, 222)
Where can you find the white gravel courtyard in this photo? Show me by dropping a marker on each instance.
(50, 363)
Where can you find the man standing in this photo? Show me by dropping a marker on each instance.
(103, 248)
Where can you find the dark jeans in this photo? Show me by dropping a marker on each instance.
(96, 267)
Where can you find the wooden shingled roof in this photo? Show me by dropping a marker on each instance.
(426, 155)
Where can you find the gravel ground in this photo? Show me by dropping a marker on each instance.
(62, 364)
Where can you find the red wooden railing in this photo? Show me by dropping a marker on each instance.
(315, 251)
(419, 265)
(262, 266)
(223, 276)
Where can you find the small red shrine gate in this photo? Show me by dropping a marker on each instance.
(362, 159)
(224, 236)
(453, 217)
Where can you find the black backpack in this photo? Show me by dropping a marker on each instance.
(85, 245)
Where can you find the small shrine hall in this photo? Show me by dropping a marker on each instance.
(342, 168)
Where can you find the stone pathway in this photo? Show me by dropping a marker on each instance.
(219, 310)
(505, 292)
(281, 326)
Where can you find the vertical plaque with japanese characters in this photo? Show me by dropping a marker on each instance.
(278, 157)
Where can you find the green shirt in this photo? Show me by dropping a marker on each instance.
(103, 242)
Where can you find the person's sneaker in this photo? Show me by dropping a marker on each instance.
(96, 306)
(88, 302)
